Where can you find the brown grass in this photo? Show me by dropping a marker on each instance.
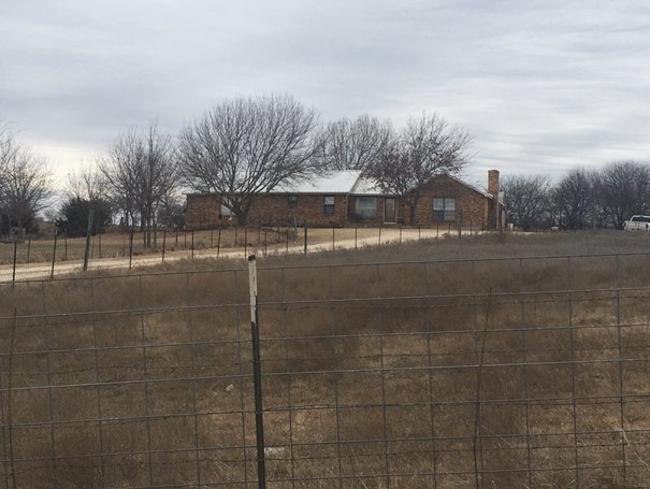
(117, 244)
(457, 343)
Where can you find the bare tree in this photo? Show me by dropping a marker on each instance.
(527, 200)
(573, 199)
(624, 190)
(425, 148)
(25, 187)
(140, 172)
(8, 153)
(245, 147)
(354, 144)
(87, 183)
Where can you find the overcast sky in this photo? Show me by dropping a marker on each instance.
(542, 86)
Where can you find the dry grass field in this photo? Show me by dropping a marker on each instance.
(485, 362)
(201, 242)
(117, 244)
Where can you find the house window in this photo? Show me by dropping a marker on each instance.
(293, 200)
(444, 209)
(328, 205)
(365, 207)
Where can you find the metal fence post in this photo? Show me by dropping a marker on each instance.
(257, 372)
(356, 232)
(333, 239)
(192, 244)
(218, 242)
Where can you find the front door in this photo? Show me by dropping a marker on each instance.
(390, 211)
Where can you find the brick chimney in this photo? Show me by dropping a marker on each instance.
(493, 182)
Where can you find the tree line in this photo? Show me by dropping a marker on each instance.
(240, 149)
(244, 147)
(581, 199)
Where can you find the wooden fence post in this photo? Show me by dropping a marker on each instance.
(218, 242)
(56, 233)
(305, 246)
(164, 246)
(29, 246)
(89, 234)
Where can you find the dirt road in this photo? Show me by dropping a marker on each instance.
(44, 270)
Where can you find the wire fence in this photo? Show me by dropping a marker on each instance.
(62, 254)
(434, 374)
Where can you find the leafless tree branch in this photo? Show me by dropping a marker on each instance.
(245, 147)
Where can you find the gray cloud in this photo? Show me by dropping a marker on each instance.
(542, 85)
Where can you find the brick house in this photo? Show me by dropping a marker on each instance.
(346, 198)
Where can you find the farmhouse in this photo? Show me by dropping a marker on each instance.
(347, 198)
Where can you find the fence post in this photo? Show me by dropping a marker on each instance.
(13, 275)
(257, 372)
(218, 242)
(265, 242)
(419, 232)
(245, 242)
(99, 242)
(211, 238)
(305, 236)
(192, 252)
(65, 247)
(176, 243)
(29, 246)
(164, 244)
(333, 239)
(89, 233)
(356, 231)
(286, 251)
(379, 238)
(400, 234)
(56, 233)
(131, 247)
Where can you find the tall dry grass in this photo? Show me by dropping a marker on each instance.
(478, 372)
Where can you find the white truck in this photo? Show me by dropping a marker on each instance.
(637, 223)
